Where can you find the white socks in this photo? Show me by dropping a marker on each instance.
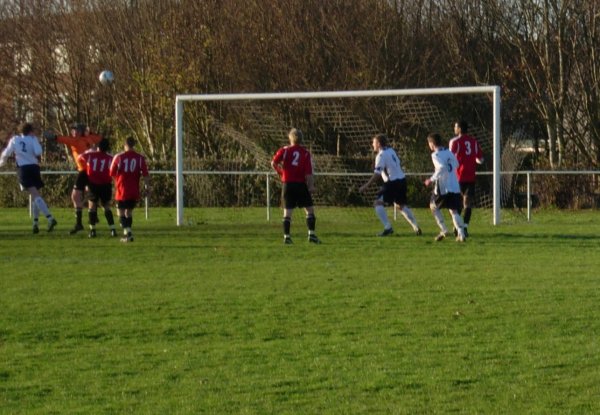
(382, 215)
(35, 212)
(42, 206)
(410, 218)
(458, 222)
(439, 218)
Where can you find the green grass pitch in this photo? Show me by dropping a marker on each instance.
(219, 317)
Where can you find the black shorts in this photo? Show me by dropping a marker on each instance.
(30, 176)
(99, 192)
(82, 181)
(394, 192)
(296, 195)
(467, 189)
(452, 201)
(126, 204)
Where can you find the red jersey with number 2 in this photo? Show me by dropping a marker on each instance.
(293, 164)
(127, 168)
(467, 151)
(97, 165)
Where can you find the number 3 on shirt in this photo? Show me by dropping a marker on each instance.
(468, 148)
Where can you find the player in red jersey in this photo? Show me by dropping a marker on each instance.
(293, 163)
(468, 153)
(126, 169)
(97, 164)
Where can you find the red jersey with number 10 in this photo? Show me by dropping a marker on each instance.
(96, 165)
(127, 168)
(467, 152)
(293, 163)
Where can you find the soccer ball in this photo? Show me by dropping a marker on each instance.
(106, 77)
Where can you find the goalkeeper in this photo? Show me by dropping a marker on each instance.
(78, 142)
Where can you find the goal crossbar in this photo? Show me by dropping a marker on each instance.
(494, 90)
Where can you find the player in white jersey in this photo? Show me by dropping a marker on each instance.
(26, 149)
(446, 191)
(393, 191)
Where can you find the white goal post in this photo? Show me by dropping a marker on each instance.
(494, 90)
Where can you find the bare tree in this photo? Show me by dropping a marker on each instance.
(585, 95)
(540, 31)
(543, 52)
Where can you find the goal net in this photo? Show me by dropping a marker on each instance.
(225, 142)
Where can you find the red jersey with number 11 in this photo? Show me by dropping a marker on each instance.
(97, 165)
(127, 168)
(293, 163)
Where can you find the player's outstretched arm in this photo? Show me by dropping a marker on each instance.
(8, 151)
(373, 178)
(49, 135)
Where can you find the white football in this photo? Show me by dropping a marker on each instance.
(106, 77)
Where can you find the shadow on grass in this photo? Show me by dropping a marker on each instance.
(518, 236)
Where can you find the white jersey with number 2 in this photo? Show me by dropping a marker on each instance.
(25, 148)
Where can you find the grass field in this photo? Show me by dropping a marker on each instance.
(219, 317)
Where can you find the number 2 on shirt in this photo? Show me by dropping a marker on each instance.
(295, 158)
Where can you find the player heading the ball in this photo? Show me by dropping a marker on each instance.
(26, 149)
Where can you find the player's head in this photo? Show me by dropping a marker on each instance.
(461, 127)
(129, 143)
(78, 130)
(26, 128)
(434, 140)
(295, 136)
(380, 141)
(104, 145)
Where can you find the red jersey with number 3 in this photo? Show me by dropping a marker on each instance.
(467, 151)
(127, 168)
(97, 166)
(293, 164)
